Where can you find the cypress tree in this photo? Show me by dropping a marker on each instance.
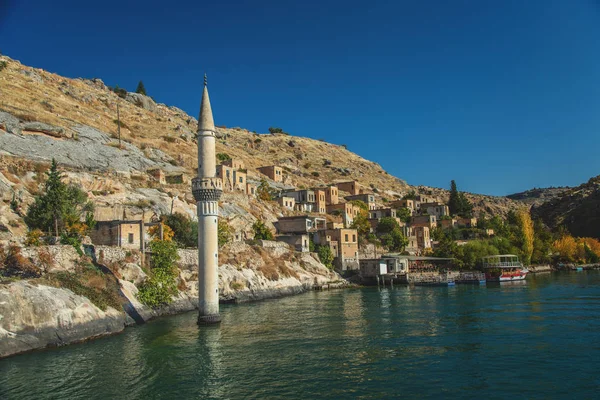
(454, 204)
(140, 88)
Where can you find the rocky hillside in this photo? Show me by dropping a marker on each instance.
(577, 209)
(45, 116)
(538, 196)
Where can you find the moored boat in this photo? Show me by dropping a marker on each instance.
(504, 268)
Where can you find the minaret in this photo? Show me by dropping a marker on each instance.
(207, 189)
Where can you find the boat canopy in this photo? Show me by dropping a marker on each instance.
(501, 261)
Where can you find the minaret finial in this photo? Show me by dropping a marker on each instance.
(205, 80)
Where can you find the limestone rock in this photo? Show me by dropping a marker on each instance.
(33, 75)
(142, 101)
(33, 317)
(9, 123)
(133, 273)
(44, 128)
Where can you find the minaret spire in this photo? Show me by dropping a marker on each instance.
(207, 189)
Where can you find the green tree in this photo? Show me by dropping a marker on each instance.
(362, 225)
(263, 192)
(161, 285)
(326, 256)
(140, 88)
(184, 229)
(360, 204)
(458, 203)
(390, 234)
(261, 232)
(404, 214)
(61, 208)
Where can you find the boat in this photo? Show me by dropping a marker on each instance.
(504, 268)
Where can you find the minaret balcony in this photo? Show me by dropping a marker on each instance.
(207, 189)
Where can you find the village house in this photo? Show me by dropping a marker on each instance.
(157, 174)
(335, 225)
(300, 224)
(351, 187)
(300, 243)
(121, 233)
(176, 178)
(305, 200)
(429, 221)
(382, 212)
(467, 222)
(331, 195)
(251, 189)
(448, 223)
(404, 203)
(422, 235)
(367, 198)
(437, 209)
(273, 172)
(320, 204)
(233, 179)
(287, 202)
(345, 243)
(234, 164)
(347, 211)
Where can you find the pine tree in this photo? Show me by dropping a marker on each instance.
(140, 88)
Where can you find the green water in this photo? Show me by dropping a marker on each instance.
(540, 339)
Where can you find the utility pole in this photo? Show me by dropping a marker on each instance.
(119, 124)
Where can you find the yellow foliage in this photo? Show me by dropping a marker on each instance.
(526, 225)
(168, 233)
(566, 247)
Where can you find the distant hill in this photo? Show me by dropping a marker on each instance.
(577, 209)
(538, 196)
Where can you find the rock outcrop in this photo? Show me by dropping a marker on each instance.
(142, 101)
(35, 316)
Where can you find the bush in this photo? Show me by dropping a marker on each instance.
(273, 130)
(161, 285)
(34, 238)
(3, 65)
(224, 233)
(315, 174)
(235, 285)
(261, 232)
(100, 289)
(326, 256)
(12, 263)
(223, 157)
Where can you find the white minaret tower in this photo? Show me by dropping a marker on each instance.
(207, 189)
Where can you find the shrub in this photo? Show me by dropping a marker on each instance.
(326, 256)
(223, 157)
(3, 65)
(47, 105)
(101, 290)
(161, 285)
(34, 238)
(236, 285)
(315, 174)
(224, 232)
(274, 130)
(307, 165)
(169, 139)
(12, 263)
(257, 140)
(261, 232)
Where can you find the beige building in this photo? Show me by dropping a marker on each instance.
(233, 179)
(287, 202)
(274, 172)
(404, 203)
(448, 223)
(331, 195)
(300, 242)
(429, 221)
(467, 222)
(367, 198)
(437, 209)
(251, 189)
(121, 233)
(422, 236)
(320, 201)
(234, 163)
(347, 211)
(158, 174)
(351, 187)
(300, 224)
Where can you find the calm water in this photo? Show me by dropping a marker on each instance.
(540, 339)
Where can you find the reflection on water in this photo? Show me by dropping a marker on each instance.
(464, 341)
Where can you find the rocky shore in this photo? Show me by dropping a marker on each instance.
(35, 315)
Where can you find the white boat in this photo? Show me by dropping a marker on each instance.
(504, 268)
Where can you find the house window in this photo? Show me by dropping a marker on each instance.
(353, 238)
(241, 179)
(227, 173)
(346, 237)
(130, 238)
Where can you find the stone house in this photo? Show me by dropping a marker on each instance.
(233, 179)
(422, 235)
(343, 244)
(273, 172)
(157, 174)
(448, 223)
(300, 224)
(351, 187)
(404, 203)
(467, 222)
(176, 179)
(429, 221)
(251, 189)
(300, 242)
(437, 209)
(320, 203)
(287, 202)
(331, 195)
(305, 200)
(347, 211)
(367, 198)
(382, 212)
(121, 233)
(234, 164)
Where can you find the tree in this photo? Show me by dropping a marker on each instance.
(390, 234)
(526, 235)
(263, 192)
(167, 232)
(326, 256)
(360, 204)
(140, 88)
(458, 202)
(61, 208)
(362, 225)
(404, 214)
(261, 232)
(273, 130)
(185, 231)
(566, 247)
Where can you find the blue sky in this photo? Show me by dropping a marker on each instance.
(501, 96)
